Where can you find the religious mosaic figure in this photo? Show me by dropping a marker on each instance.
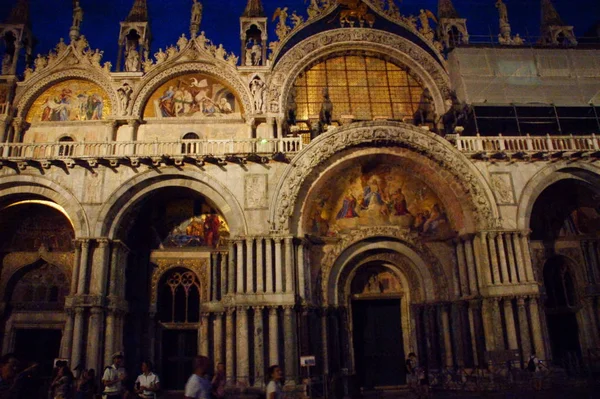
(70, 106)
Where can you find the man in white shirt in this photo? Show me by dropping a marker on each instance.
(147, 383)
(113, 378)
(198, 386)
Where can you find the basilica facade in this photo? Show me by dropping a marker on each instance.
(341, 191)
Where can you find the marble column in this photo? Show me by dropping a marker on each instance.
(113, 287)
(511, 258)
(231, 271)
(98, 282)
(224, 259)
(83, 267)
(536, 329)
(324, 340)
(502, 258)
(259, 349)
(511, 331)
(269, 265)
(485, 257)
(482, 267)
(76, 353)
(458, 312)
(489, 327)
(239, 255)
(260, 266)
(76, 263)
(67, 338)
(529, 275)
(94, 340)
(519, 258)
(278, 266)
(214, 266)
(472, 273)
(301, 271)
(243, 356)
(229, 347)
(497, 324)
(592, 327)
(109, 337)
(524, 328)
(218, 338)
(249, 264)
(289, 265)
(273, 337)
(494, 258)
(462, 267)
(203, 338)
(290, 344)
(449, 362)
(473, 306)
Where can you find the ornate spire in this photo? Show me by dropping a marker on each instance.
(446, 10)
(550, 16)
(19, 14)
(139, 12)
(254, 9)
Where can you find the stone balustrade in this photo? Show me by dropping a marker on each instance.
(221, 151)
(526, 146)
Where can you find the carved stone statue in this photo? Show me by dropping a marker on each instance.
(257, 88)
(171, 51)
(220, 52)
(6, 63)
(313, 9)
(232, 59)
(40, 62)
(297, 20)
(61, 46)
(132, 62)
(248, 61)
(502, 11)
(393, 9)
(326, 112)
(196, 12)
(426, 30)
(282, 28)
(160, 56)
(124, 97)
(256, 52)
(182, 42)
(77, 16)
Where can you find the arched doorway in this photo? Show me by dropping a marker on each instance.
(378, 307)
(561, 310)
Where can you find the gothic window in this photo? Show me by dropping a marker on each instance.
(42, 288)
(365, 87)
(560, 289)
(65, 149)
(179, 297)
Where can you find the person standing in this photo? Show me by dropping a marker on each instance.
(147, 383)
(86, 386)
(63, 383)
(113, 378)
(412, 365)
(218, 382)
(274, 389)
(198, 386)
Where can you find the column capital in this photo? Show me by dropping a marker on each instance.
(218, 314)
(287, 309)
(242, 309)
(273, 310)
(103, 241)
(258, 308)
(133, 123)
(204, 315)
(521, 301)
(230, 311)
(96, 311)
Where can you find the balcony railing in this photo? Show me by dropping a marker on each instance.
(192, 149)
(527, 146)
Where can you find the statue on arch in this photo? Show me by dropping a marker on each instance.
(132, 62)
(196, 12)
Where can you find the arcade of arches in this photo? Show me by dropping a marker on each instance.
(374, 239)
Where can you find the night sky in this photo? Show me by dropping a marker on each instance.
(51, 19)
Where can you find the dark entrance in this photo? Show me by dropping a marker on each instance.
(378, 344)
(178, 350)
(40, 346)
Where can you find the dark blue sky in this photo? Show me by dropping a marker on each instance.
(170, 18)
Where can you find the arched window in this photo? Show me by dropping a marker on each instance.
(560, 289)
(42, 288)
(190, 147)
(179, 297)
(65, 149)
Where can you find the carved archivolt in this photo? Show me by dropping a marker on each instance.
(159, 76)
(36, 87)
(381, 133)
(429, 70)
(200, 267)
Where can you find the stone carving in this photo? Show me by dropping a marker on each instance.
(253, 53)
(503, 188)
(255, 190)
(182, 42)
(356, 10)
(424, 16)
(201, 267)
(295, 60)
(282, 29)
(296, 19)
(432, 146)
(77, 20)
(132, 62)
(124, 93)
(257, 88)
(196, 18)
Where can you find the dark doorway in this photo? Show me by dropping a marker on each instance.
(378, 343)
(40, 346)
(178, 350)
(564, 336)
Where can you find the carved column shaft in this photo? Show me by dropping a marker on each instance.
(214, 266)
(77, 337)
(484, 263)
(471, 267)
(290, 343)
(67, 338)
(240, 266)
(502, 258)
(259, 350)
(525, 248)
(524, 327)
(113, 287)
(289, 265)
(243, 356)
(494, 258)
(249, 264)
(98, 282)
(229, 351)
(462, 268)
(83, 267)
(324, 341)
(260, 266)
(301, 271)
(273, 337)
(536, 329)
(76, 263)
(203, 338)
(94, 341)
(231, 271)
(489, 325)
(472, 329)
(224, 260)
(278, 266)
(109, 337)
(269, 265)
(511, 330)
(511, 258)
(521, 264)
(447, 341)
(218, 338)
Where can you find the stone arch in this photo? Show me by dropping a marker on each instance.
(430, 280)
(121, 200)
(401, 50)
(36, 88)
(39, 187)
(549, 175)
(155, 79)
(293, 184)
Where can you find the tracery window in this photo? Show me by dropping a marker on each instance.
(44, 288)
(179, 299)
(363, 86)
